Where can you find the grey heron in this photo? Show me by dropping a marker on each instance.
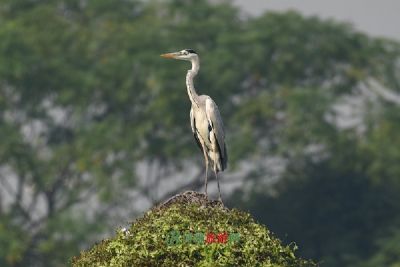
(205, 119)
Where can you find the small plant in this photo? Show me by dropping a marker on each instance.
(192, 231)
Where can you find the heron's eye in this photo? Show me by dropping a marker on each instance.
(186, 53)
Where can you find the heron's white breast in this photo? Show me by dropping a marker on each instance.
(202, 124)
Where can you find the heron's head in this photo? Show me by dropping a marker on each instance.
(185, 54)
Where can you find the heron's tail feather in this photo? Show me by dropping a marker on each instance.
(224, 159)
(220, 158)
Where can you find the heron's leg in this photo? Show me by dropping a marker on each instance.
(219, 190)
(216, 176)
(206, 162)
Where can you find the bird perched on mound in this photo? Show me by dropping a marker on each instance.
(205, 119)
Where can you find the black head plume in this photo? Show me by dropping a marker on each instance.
(191, 51)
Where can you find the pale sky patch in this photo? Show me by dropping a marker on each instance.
(377, 18)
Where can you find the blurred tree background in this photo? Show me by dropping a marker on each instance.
(94, 126)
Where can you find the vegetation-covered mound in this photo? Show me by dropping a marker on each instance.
(190, 230)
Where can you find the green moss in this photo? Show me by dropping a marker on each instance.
(171, 235)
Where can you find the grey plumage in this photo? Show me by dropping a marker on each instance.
(207, 124)
(205, 119)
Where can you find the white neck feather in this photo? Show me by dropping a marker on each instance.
(189, 80)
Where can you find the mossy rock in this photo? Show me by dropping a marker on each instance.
(190, 230)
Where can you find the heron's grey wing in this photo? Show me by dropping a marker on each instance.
(194, 130)
(215, 120)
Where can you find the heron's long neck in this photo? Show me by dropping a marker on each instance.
(189, 81)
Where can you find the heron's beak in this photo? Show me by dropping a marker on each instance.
(170, 55)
